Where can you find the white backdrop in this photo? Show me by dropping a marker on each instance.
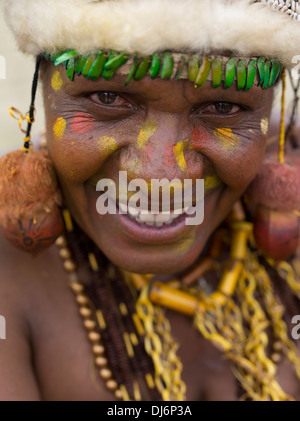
(15, 91)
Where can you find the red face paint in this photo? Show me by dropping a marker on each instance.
(148, 151)
(199, 137)
(169, 156)
(82, 123)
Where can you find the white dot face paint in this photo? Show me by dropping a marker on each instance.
(264, 125)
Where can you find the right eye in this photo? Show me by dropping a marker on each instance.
(107, 98)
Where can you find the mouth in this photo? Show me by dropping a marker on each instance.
(154, 228)
(154, 219)
(147, 223)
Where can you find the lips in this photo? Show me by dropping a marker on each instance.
(146, 227)
(152, 228)
(151, 234)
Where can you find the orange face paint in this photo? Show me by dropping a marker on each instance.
(226, 137)
(82, 123)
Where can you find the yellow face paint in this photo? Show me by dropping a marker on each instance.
(211, 182)
(147, 130)
(56, 81)
(133, 168)
(179, 155)
(107, 145)
(227, 137)
(264, 125)
(185, 244)
(59, 127)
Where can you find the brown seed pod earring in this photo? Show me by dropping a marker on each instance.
(274, 197)
(29, 192)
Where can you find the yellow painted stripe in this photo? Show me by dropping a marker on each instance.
(148, 129)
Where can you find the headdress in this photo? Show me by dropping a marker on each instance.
(139, 37)
(244, 27)
(228, 42)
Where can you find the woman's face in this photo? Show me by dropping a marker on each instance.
(152, 129)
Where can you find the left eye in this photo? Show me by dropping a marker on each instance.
(105, 98)
(219, 108)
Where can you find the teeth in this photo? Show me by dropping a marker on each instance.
(146, 217)
(163, 217)
(133, 211)
(123, 207)
(156, 219)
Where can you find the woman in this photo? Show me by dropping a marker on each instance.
(124, 98)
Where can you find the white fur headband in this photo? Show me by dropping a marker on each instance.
(245, 27)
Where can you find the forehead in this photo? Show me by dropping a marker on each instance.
(149, 89)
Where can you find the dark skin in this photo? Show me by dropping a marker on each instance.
(192, 115)
(47, 355)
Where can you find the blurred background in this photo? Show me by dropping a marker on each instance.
(15, 91)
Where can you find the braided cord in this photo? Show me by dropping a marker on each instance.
(282, 122)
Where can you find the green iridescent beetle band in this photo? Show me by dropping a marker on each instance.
(196, 68)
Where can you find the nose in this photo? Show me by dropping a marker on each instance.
(162, 149)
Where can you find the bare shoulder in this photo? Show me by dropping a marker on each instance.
(22, 287)
(22, 274)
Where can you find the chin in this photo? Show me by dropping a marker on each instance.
(166, 259)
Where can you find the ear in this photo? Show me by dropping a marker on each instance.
(273, 202)
(29, 200)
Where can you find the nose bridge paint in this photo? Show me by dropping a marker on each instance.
(147, 130)
(178, 151)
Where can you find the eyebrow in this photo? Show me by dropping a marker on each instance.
(117, 84)
(80, 84)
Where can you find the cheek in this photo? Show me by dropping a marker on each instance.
(59, 128)
(77, 148)
(228, 140)
(82, 123)
(235, 158)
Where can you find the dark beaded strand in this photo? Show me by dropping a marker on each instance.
(119, 370)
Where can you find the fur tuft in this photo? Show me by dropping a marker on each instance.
(148, 26)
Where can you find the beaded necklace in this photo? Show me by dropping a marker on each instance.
(133, 349)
